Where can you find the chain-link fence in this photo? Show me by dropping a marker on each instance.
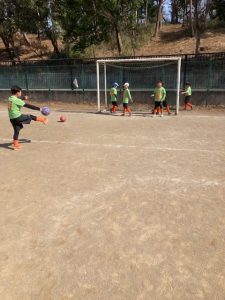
(205, 72)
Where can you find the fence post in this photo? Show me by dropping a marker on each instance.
(71, 75)
(26, 76)
(82, 80)
(209, 79)
(185, 70)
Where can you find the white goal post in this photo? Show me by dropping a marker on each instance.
(104, 62)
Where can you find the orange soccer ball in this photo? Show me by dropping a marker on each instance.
(62, 119)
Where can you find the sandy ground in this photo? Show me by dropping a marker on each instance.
(114, 208)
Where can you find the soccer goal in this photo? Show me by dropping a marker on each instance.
(142, 75)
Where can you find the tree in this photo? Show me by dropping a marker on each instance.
(8, 28)
(44, 16)
(159, 18)
(91, 22)
(202, 10)
(218, 6)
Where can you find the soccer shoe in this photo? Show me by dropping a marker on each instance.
(16, 145)
(161, 115)
(154, 115)
(42, 120)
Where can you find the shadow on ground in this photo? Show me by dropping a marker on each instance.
(9, 145)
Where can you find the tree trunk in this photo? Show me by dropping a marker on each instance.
(39, 42)
(118, 39)
(146, 12)
(198, 41)
(159, 19)
(172, 12)
(197, 28)
(191, 19)
(7, 47)
(51, 35)
(27, 41)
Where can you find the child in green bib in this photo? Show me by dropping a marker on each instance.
(17, 119)
(187, 92)
(126, 98)
(113, 96)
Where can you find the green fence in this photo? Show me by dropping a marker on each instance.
(205, 72)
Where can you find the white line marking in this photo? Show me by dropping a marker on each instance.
(178, 180)
(120, 146)
(134, 112)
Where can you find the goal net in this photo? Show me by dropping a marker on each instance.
(142, 75)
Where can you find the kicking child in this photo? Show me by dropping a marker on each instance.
(187, 92)
(17, 119)
(113, 96)
(126, 98)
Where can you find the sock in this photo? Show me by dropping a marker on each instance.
(42, 120)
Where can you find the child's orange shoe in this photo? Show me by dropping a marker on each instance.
(42, 120)
(16, 145)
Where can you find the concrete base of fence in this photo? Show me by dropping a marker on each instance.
(216, 97)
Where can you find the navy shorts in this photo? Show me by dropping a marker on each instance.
(158, 104)
(114, 103)
(187, 99)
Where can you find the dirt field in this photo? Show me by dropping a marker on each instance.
(114, 208)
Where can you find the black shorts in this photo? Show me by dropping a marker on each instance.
(158, 104)
(164, 103)
(187, 99)
(125, 105)
(115, 103)
(23, 119)
(17, 124)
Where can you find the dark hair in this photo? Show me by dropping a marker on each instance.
(15, 89)
(187, 83)
(160, 81)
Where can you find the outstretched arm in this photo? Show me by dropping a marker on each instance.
(30, 106)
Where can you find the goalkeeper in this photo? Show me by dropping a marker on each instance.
(160, 99)
(113, 96)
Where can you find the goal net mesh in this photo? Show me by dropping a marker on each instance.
(142, 77)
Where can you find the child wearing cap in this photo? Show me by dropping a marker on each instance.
(126, 98)
(113, 96)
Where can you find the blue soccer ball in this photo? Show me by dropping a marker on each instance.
(45, 111)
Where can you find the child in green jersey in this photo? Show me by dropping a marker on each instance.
(113, 96)
(126, 98)
(163, 104)
(16, 118)
(160, 97)
(187, 92)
